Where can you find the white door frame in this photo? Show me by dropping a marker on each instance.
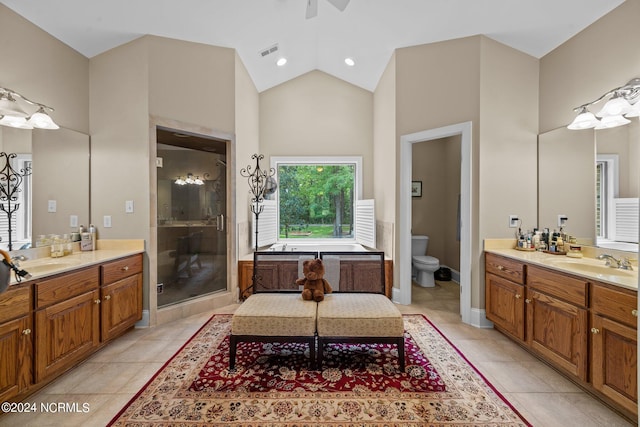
(404, 220)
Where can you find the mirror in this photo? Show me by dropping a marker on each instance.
(60, 172)
(591, 176)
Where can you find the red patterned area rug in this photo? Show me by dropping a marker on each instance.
(360, 385)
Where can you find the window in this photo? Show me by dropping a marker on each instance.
(316, 197)
(606, 191)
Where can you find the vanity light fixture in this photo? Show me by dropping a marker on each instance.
(20, 112)
(623, 102)
(190, 180)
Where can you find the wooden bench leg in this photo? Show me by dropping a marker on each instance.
(400, 344)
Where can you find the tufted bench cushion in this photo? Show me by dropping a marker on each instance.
(274, 317)
(359, 315)
(359, 318)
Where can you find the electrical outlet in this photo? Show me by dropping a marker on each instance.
(73, 221)
(562, 220)
(52, 206)
(128, 206)
(513, 221)
(107, 221)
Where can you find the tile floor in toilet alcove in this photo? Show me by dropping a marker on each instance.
(110, 377)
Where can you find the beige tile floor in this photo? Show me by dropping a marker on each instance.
(108, 379)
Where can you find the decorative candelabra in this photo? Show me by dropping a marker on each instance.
(10, 183)
(258, 180)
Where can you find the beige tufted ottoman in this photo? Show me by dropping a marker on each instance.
(359, 318)
(274, 317)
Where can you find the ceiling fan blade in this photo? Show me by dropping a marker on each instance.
(341, 5)
(312, 8)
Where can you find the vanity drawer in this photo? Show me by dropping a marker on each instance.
(568, 288)
(615, 304)
(505, 267)
(66, 285)
(119, 269)
(15, 302)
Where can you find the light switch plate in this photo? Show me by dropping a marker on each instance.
(128, 206)
(52, 206)
(73, 221)
(107, 221)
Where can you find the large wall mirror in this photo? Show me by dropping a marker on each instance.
(592, 177)
(59, 162)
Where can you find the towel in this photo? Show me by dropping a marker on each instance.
(332, 270)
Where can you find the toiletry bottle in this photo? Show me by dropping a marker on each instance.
(92, 231)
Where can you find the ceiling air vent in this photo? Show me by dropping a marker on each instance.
(269, 50)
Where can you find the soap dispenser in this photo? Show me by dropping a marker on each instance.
(93, 232)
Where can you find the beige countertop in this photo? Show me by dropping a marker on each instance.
(590, 268)
(40, 266)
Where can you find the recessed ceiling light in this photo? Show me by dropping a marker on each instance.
(280, 62)
(350, 62)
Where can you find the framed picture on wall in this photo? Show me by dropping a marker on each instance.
(416, 188)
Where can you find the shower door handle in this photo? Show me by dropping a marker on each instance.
(220, 222)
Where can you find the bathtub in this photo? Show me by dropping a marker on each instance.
(318, 247)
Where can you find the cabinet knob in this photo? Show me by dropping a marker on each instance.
(518, 296)
(595, 330)
(500, 268)
(97, 301)
(107, 297)
(125, 268)
(528, 301)
(634, 313)
(26, 332)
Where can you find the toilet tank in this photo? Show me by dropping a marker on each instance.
(419, 245)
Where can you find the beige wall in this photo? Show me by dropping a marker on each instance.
(45, 70)
(318, 115)
(603, 56)
(437, 165)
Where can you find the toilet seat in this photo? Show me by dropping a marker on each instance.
(425, 260)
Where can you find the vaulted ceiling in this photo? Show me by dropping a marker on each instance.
(367, 31)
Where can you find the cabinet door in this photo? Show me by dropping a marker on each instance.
(121, 306)
(614, 368)
(245, 277)
(66, 332)
(558, 331)
(505, 305)
(15, 357)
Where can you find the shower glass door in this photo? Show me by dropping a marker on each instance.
(192, 237)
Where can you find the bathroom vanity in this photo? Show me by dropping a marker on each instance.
(70, 308)
(579, 316)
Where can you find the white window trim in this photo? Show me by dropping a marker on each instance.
(312, 160)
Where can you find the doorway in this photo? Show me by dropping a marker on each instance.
(403, 295)
(191, 212)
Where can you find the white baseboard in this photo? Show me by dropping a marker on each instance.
(479, 319)
(144, 322)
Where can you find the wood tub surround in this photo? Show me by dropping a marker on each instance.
(583, 327)
(51, 323)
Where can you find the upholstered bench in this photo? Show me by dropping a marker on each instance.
(274, 317)
(359, 318)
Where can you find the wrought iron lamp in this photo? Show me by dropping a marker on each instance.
(10, 186)
(260, 180)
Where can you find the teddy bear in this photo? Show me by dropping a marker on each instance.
(314, 284)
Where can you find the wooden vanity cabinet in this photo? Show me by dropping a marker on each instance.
(67, 321)
(16, 346)
(557, 319)
(120, 295)
(504, 294)
(614, 345)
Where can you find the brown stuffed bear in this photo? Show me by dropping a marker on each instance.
(314, 285)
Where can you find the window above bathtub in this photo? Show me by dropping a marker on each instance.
(317, 199)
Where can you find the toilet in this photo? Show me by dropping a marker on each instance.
(422, 265)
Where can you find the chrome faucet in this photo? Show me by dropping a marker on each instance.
(16, 260)
(624, 263)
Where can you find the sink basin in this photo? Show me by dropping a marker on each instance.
(587, 267)
(46, 266)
